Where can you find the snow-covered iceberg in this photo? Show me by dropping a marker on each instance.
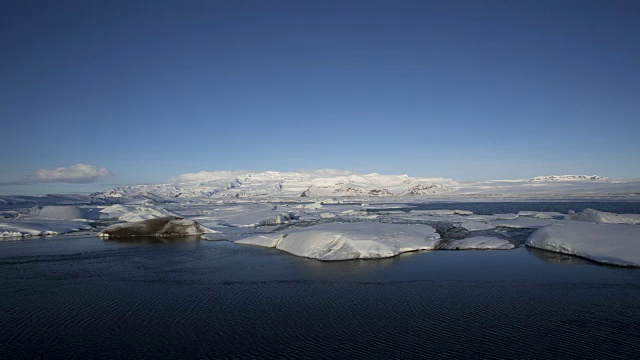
(344, 241)
(134, 213)
(614, 244)
(64, 212)
(601, 217)
(164, 226)
(249, 215)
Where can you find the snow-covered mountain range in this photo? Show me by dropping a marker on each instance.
(320, 183)
(338, 183)
(567, 177)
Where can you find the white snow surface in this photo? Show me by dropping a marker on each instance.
(524, 223)
(614, 244)
(26, 227)
(115, 211)
(477, 243)
(344, 241)
(265, 240)
(601, 217)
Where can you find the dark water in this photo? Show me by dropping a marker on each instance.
(80, 297)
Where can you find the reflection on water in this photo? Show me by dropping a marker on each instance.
(315, 268)
(152, 239)
(557, 258)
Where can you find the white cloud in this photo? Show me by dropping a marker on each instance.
(78, 173)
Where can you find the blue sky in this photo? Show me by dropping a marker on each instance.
(147, 90)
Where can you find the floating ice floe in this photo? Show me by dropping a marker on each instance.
(602, 217)
(249, 215)
(441, 212)
(64, 212)
(15, 228)
(492, 217)
(524, 223)
(312, 206)
(614, 244)
(344, 241)
(164, 226)
(542, 214)
(476, 226)
(326, 215)
(477, 243)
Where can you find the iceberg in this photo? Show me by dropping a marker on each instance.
(613, 244)
(477, 243)
(344, 241)
(133, 213)
(266, 240)
(249, 215)
(64, 212)
(115, 211)
(601, 217)
(164, 226)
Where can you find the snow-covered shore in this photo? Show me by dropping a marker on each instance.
(333, 215)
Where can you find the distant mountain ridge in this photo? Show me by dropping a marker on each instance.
(318, 183)
(330, 185)
(567, 177)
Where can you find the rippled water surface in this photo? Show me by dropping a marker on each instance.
(81, 297)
